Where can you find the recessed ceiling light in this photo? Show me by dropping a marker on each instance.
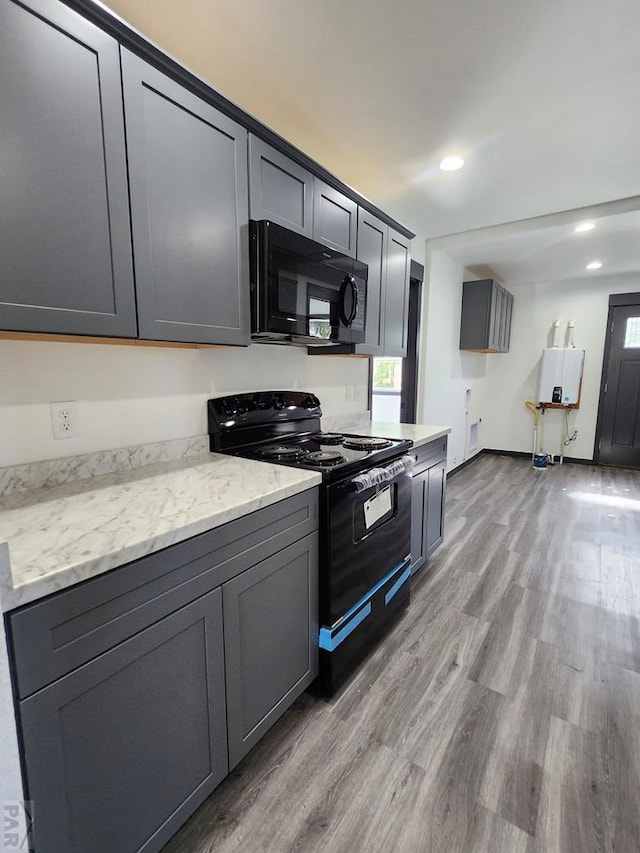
(585, 226)
(594, 265)
(451, 163)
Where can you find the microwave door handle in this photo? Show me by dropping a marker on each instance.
(348, 282)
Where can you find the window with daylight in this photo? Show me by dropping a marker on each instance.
(632, 333)
(386, 389)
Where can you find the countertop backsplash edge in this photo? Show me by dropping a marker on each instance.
(54, 472)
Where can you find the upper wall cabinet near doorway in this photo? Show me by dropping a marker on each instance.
(486, 316)
(387, 255)
(189, 211)
(65, 242)
(288, 194)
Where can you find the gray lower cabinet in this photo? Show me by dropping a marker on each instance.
(189, 211)
(139, 689)
(279, 189)
(270, 641)
(427, 501)
(485, 324)
(120, 752)
(65, 239)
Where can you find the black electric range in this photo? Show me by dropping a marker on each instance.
(365, 514)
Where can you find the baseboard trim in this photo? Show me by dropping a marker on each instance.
(521, 454)
(464, 464)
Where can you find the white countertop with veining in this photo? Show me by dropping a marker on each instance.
(65, 534)
(417, 433)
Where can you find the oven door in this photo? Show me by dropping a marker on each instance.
(368, 534)
(304, 291)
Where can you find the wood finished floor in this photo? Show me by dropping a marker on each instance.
(501, 715)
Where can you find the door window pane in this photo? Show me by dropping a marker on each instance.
(632, 333)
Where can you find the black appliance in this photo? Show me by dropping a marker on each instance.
(303, 292)
(365, 515)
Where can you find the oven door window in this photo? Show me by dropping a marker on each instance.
(365, 523)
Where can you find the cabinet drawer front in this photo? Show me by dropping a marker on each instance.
(429, 454)
(52, 637)
(119, 753)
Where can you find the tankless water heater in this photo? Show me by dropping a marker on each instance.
(560, 376)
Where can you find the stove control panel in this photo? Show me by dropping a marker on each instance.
(260, 409)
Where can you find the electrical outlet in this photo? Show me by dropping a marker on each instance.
(358, 393)
(64, 418)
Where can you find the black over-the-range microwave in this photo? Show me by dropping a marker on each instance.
(303, 292)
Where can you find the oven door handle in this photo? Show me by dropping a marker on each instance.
(376, 476)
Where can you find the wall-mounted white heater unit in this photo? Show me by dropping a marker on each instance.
(560, 376)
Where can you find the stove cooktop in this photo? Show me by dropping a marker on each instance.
(332, 454)
(284, 427)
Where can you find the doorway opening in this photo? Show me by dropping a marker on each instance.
(618, 427)
(394, 380)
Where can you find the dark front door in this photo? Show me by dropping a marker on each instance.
(619, 417)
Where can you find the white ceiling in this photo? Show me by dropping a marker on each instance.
(540, 98)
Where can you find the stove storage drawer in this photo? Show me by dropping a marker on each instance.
(54, 636)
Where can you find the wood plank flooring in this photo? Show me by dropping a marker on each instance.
(501, 715)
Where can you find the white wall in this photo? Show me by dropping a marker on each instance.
(131, 395)
(512, 378)
(445, 372)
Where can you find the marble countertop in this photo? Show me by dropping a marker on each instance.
(417, 433)
(59, 536)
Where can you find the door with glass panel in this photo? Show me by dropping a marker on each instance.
(618, 436)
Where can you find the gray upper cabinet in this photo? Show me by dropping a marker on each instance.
(373, 236)
(387, 255)
(335, 218)
(189, 211)
(485, 324)
(279, 189)
(396, 302)
(65, 239)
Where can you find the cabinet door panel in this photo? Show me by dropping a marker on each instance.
(397, 295)
(271, 636)
(434, 533)
(496, 318)
(372, 250)
(335, 218)
(418, 509)
(188, 175)
(122, 750)
(508, 312)
(280, 189)
(65, 239)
